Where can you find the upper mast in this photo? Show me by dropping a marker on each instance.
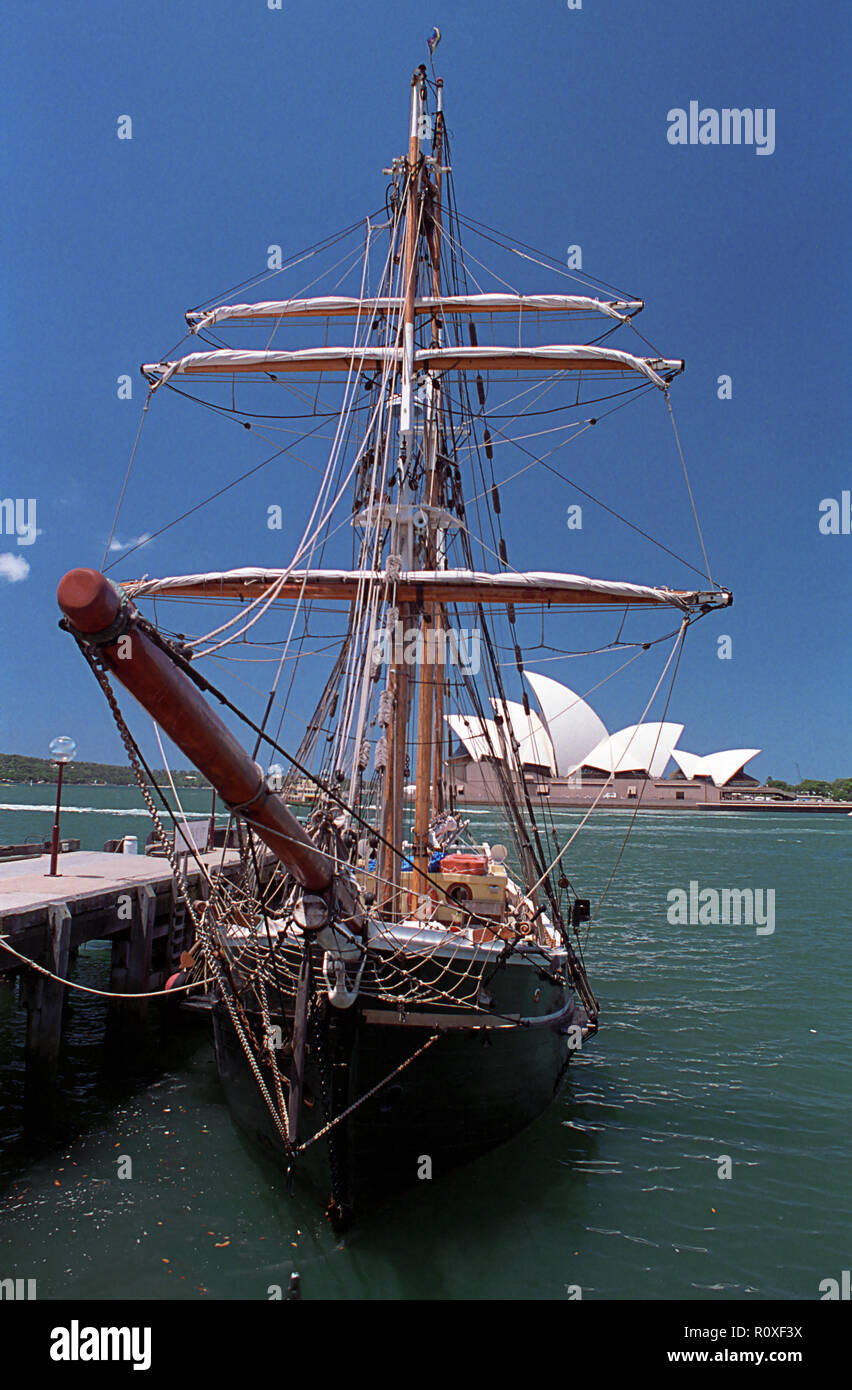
(430, 706)
(403, 530)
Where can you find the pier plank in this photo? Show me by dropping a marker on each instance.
(88, 881)
(130, 900)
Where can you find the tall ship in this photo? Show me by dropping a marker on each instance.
(392, 993)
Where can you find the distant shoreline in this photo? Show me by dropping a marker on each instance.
(70, 781)
(20, 769)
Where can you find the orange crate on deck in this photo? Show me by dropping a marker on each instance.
(464, 864)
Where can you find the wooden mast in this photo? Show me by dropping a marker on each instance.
(403, 530)
(430, 707)
(437, 337)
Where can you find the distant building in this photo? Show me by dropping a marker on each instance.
(566, 754)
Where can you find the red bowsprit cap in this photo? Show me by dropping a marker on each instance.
(88, 600)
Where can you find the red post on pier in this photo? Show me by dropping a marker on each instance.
(54, 845)
(62, 750)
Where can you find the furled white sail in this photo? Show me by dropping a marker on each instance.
(573, 726)
(339, 306)
(638, 748)
(451, 585)
(553, 357)
(721, 767)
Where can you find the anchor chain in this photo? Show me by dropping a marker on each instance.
(199, 923)
(319, 1038)
(374, 1090)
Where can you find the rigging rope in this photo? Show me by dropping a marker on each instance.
(632, 821)
(689, 488)
(124, 484)
(89, 989)
(566, 847)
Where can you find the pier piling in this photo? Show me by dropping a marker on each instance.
(133, 902)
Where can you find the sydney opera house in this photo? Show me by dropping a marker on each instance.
(565, 753)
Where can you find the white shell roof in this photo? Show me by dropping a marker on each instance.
(482, 737)
(529, 730)
(573, 726)
(638, 748)
(571, 735)
(721, 767)
(474, 734)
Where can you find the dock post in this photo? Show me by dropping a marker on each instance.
(44, 999)
(130, 970)
(139, 951)
(178, 920)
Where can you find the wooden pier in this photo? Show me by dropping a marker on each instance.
(130, 900)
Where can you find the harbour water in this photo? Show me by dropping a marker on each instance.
(722, 1049)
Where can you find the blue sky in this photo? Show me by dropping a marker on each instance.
(254, 126)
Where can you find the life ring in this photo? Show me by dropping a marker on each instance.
(460, 893)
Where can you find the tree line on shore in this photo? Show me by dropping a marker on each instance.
(17, 767)
(838, 790)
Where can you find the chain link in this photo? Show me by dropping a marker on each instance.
(200, 923)
(319, 1036)
(368, 1094)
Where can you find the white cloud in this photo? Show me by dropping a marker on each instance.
(116, 544)
(13, 567)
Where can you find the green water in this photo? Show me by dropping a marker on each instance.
(715, 1042)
